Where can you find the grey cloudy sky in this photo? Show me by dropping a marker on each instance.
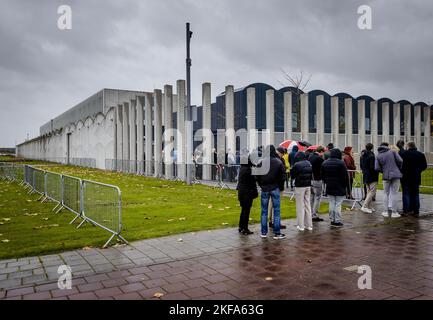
(139, 45)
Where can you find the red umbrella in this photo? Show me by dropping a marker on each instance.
(313, 148)
(288, 144)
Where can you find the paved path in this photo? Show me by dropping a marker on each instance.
(141, 264)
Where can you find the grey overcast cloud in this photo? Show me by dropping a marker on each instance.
(140, 45)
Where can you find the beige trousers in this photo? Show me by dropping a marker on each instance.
(303, 207)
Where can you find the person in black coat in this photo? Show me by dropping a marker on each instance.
(316, 160)
(247, 192)
(414, 163)
(336, 178)
(370, 177)
(302, 172)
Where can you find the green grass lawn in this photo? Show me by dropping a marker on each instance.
(151, 208)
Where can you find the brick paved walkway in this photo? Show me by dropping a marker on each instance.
(187, 274)
(223, 265)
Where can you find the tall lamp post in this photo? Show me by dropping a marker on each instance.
(188, 124)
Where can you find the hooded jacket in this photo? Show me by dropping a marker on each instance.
(302, 171)
(292, 155)
(334, 174)
(247, 189)
(275, 176)
(389, 163)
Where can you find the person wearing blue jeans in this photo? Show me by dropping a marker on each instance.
(335, 203)
(270, 174)
(265, 198)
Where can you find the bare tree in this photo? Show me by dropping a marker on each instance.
(300, 83)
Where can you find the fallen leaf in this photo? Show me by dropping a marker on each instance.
(269, 278)
(179, 240)
(5, 240)
(224, 223)
(209, 207)
(170, 220)
(6, 219)
(87, 248)
(182, 219)
(158, 295)
(309, 261)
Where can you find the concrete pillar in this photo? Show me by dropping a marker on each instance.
(373, 123)
(407, 123)
(125, 134)
(230, 119)
(119, 134)
(181, 150)
(361, 126)
(304, 117)
(427, 129)
(148, 102)
(132, 135)
(157, 127)
(207, 131)
(385, 122)
(417, 138)
(251, 118)
(348, 125)
(287, 104)
(140, 135)
(168, 127)
(335, 121)
(320, 119)
(270, 115)
(396, 119)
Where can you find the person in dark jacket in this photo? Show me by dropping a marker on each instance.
(370, 177)
(414, 163)
(247, 192)
(335, 176)
(400, 146)
(292, 155)
(302, 172)
(279, 154)
(316, 160)
(270, 173)
(327, 154)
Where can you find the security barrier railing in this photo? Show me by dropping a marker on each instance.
(220, 173)
(102, 206)
(97, 203)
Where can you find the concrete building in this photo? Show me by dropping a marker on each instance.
(119, 129)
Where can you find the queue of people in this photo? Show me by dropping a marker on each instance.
(329, 172)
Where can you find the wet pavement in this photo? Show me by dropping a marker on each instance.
(222, 264)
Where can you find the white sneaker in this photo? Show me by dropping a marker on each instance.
(310, 228)
(395, 215)
(366, 210)
(263, 236)
(385, 214)
(373, 210)
(300, 229)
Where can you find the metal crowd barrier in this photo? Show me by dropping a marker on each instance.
(102, 206)
(97, 203)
